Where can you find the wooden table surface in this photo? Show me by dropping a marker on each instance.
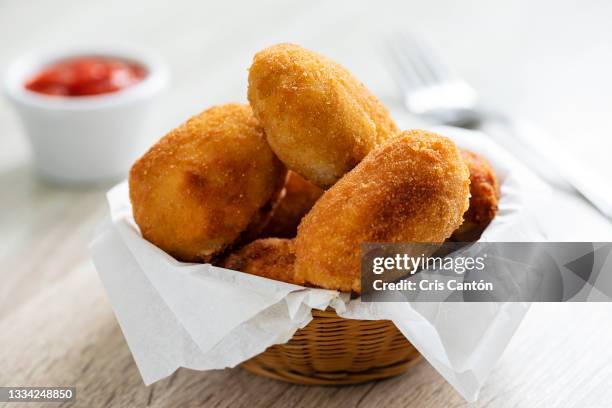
(56, 324)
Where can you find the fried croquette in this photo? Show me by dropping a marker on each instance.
(271, 258)
(319, 119)
(299, 195)
(484, 190)
(206, 183)
(414, 188)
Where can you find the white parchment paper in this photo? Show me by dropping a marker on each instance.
(175, 314)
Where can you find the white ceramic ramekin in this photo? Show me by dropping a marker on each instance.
(86, 139)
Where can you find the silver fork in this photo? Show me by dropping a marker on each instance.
(432, 92)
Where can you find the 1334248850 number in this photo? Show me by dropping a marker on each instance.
(25, 394)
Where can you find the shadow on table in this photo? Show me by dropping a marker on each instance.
(111, 378)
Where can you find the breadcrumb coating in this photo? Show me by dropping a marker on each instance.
(484, 190)
(319, 119)
(413, 188)
(271, 258)
(206, 183)
(298, 197)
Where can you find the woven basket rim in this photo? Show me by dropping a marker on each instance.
(334, 350)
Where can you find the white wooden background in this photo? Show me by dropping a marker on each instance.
(549, 61)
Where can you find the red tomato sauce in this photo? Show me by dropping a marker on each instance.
(86, 76)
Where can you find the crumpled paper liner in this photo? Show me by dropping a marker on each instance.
(202, 317)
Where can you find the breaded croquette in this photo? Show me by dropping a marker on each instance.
(299, 195)
(484, 190)
(413, 188)
(318, 118)
(271, 258)
(206, 183)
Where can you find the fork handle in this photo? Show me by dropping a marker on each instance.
(550, 154)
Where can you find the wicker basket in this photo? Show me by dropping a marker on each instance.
(332, 350)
